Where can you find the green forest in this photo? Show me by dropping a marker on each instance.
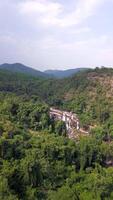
(37, 159)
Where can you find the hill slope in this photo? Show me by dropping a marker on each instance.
(17, 67)
(37, 160)
(89, 93)
(64, 73)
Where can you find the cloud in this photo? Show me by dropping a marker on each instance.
(42, 7)
(56, 33)
(44, 11)
(52, 13)
(84, 9)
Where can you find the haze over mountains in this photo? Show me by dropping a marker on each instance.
(64, 73)
(18, 67)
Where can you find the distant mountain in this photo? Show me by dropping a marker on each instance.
(64, 73)
(20, 68)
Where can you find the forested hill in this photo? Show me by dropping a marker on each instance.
(24, 84)
(18, 67)
(37, 160)
(64, 73)
(88, 93)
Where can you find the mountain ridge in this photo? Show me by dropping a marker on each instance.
(64, 73)
(21, 68)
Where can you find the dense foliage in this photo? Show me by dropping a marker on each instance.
(37, 160)
(88, 93)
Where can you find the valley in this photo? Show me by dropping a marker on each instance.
(56, 100)
(56, 136)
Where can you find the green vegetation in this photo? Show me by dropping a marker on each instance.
(37, 160)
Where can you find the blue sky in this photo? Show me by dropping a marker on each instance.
(57, 34)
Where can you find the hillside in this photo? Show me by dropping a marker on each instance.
(17, 67)
(37, 159)
(89, 93)
(20, 68)
(64, 73)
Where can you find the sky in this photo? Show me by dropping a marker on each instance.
(57, 34)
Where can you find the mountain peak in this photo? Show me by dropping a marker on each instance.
(20, 68)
